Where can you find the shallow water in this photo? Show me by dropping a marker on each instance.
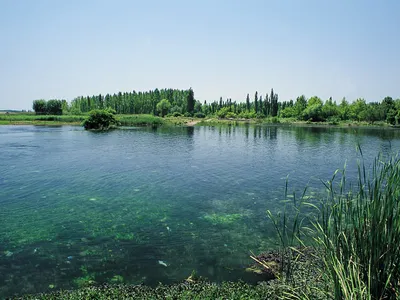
(151, 205)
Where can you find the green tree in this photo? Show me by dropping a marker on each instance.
(313, 113)
(389, 110)
(39, 106)
(299, 106)
(248, 103)
(344, 109)
(330, 109)
(356, 108)
(163, 107)
(54, 107)
(256, 102)
(314, 100)
(274, 103)
(190, 101)
(197, 107)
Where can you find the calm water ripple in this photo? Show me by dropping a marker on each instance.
(149, 206)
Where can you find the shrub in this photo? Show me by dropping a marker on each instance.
(100, 120)
(231, 115)
(199, 115)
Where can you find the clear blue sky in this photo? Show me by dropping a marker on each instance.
(63, 49)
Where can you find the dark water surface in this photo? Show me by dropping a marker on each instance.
(149, 206)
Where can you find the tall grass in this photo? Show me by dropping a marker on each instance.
(32, 118)
(356, 233)
(361, 230)
(139, 120)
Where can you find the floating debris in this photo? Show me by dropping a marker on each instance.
(168, 229)
(92, 199)
(70, 257)
(136, 190)
(160, 262)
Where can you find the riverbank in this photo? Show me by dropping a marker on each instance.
(150, 120)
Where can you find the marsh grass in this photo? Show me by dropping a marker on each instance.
(355, 232)
(27, 118)
(139, 120)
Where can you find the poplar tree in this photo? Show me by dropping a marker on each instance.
(190, 101)
(248, 103)
(256, 102)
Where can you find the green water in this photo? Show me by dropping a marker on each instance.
(151, 205)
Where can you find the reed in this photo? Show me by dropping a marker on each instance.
(359, 231)
(355, 233)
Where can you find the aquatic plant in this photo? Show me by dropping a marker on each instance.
(86, 280)
(222, 219)
(185, 290)
(355, 233)
(117, 279)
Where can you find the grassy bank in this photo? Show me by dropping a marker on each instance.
(125, 120)
(32, 119)
(150, 120)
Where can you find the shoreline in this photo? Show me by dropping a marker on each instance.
(148, 120)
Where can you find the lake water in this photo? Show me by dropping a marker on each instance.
(152, 205)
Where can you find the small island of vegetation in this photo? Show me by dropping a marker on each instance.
(100, 119)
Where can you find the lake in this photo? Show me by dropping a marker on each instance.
(142, 205)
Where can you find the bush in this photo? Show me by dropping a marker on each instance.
(177, 114)
(247, 115)
(199, 115)
(313, 113)
(100, 120)
(333, 120)
(231, 115)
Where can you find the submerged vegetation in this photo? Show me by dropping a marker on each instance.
(344, 246)
(186, 290)
(133, 229)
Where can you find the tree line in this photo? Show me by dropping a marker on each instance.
(175, 102)
(181, 101)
